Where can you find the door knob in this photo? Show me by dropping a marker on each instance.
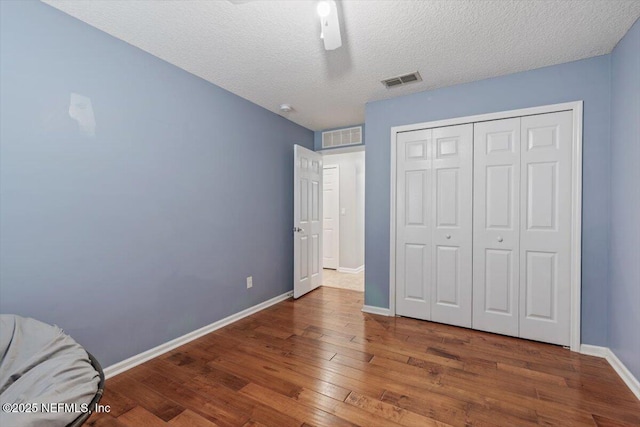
(448, 236)
(298, 230)
(500, 239)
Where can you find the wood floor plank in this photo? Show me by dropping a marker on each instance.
(365, 348)
(189, 418)
(181, 373)
(287, 373)
(208, 407)
(429, 385)
(504, 400)
(379, 342)
(119, 404)
(258, 376)
(478, 415)
(283, 347)
(103, 420)
(351, 413)
(139, 416)
(323, 345)
(321, 370)
(298, 410)
(320, 361)
(419, 378)
(607, 422)
(609, 408)
(145, 397)
(258, 412)
(391, 412)
(437, 407)
(532, 375)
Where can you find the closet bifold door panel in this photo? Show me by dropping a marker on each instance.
(545, 227)
(413, 224)
(451, 216)
(433, 224)
(496, 226)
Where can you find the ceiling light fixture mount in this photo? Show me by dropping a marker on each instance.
(329, 24)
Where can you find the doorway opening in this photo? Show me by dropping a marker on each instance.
(343, 218)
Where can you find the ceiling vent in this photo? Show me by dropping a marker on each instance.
(402, 80)
(342, 137)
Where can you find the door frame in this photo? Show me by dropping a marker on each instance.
(576, 108)
(337, 168)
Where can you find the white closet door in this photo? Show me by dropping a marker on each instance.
(496, 226)
(413, 232)
(545, 227)
(451, 219)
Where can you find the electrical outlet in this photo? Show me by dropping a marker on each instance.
(249, 282)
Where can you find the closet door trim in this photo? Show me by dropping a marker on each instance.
(576, 196)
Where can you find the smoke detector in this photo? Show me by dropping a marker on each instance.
(286, 108)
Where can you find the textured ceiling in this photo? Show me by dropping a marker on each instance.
(270, 53)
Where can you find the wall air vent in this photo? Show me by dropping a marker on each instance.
(342, 137)
(402, 80)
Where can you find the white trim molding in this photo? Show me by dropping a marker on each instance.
(593, 350)
(617, 365)
(342, 150)
(140, 358)
(371, 309)
(351, 270)
(576, 198)
(626, 375)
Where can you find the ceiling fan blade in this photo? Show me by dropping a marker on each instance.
(331, 28)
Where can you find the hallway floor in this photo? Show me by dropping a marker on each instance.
(335, 279)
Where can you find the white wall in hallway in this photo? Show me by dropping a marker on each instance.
(352, 168)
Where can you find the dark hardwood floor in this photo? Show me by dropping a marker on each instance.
(320, 361)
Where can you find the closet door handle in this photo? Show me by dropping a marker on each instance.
(500, 239)
(448, 236)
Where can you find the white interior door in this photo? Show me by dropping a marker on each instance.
(413, 224)
(545, 227)
(307, 217)
(496, 226)
(451, 219)
(331, 216)
(433, 224)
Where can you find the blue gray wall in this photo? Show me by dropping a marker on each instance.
(146, 231)
(317, 137)
(587, 80)
(624, 311)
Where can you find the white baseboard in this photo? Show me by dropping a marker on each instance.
(593, 350)
(351, 270)
(376, 310)
(625, 374)
(140, 358)
(617, 365)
